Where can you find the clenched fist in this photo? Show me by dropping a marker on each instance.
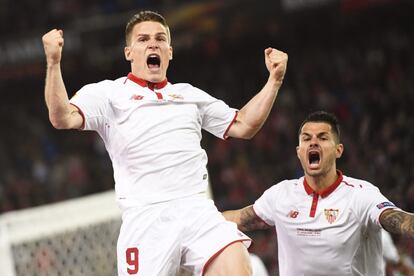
(276, 63)
(53, 44)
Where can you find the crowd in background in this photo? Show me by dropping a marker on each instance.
(361, 67)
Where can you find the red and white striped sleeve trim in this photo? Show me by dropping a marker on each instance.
(225, 136)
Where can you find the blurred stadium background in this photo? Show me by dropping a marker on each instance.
(351, 57)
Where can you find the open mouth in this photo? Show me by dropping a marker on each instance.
(153, 61)
(314, 158)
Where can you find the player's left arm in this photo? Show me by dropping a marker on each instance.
(252, 116)
(246, 219)
(398, 222)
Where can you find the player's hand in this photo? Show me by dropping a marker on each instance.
(276, 63)
(53, 44)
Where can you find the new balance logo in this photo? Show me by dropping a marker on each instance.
(136, 97)
(293, 214)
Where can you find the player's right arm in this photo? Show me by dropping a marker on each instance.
(62, 114)
(246, 219)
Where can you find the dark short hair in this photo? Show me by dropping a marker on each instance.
(324, 117)
(144, 16)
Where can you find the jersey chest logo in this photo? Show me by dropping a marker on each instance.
(136, 97)
(331, 215)
(293, 214)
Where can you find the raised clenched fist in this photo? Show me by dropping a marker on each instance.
(53, 44)
(276, 63)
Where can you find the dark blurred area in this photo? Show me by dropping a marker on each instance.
(351, 57)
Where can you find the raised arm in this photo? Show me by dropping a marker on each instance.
(62, 114)
(246, 219)
(253, 115)
(398, 222)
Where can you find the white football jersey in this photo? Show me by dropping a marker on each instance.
(152, 134)
(335, 232)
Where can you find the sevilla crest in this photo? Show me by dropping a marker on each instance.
(331, 215)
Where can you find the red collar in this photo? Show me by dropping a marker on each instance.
(328, 190)
(144, 83)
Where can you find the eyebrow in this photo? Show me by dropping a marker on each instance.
(318, 135)
(157, 34)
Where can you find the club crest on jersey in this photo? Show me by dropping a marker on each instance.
(331, 215)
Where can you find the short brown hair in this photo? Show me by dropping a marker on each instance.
(144, 16)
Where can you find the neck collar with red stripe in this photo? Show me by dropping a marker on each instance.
(145, 83)
(328, 190)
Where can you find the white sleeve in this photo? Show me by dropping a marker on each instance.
(258, 267)
(370, 203)
(389, 250)
(264, 207)
(92, 102)
(216, 115)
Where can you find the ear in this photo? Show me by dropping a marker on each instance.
(339, 150)
(127, 53)
(297, 152)
(170, 53)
